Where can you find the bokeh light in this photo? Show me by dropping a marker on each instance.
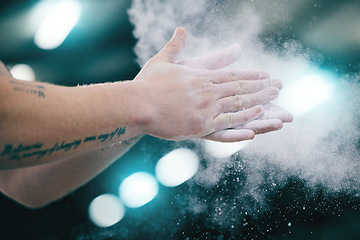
(23, 72)
(177, 167)
(138, 189)
(106, 210)
(306, 94)
(58, 24)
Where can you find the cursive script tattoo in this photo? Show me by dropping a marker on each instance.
(23, 151)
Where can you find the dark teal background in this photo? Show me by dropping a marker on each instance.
(104, 53)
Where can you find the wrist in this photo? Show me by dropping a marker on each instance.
(134, 107)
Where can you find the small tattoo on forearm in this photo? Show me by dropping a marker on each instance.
(25, 151)
(24, 87)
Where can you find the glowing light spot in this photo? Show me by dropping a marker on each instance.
(138, 189)
(106, 210)
(223, 150)
(58, 24)
(306, 94)
(23, 72)
(177, 167)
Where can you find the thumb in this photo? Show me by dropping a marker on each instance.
(174, 47)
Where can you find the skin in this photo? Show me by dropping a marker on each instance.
(68, 129)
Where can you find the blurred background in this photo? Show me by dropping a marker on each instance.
(98, 46)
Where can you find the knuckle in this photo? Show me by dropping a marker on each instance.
(265, 84)
(171, 44)
(207, 88)
(229, 120)
(198, 122)
(231, 75)
(241, 87)
(238, 101)
(204, 104)
(202, 75)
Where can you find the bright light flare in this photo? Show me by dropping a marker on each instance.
(306, 94)
(223, 150)
(138, 189)
(23, 72)
(106, 210)
(177, 167)
(58, 24)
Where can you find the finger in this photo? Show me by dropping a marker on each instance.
(231, 135)
(223, 76)
(235, 119)
(174, 47)
(246, 86)
(273, 107)
(240, 102)
(4, 71)
(217, 60)
(275, 111)
(263, 126)
(284, 116)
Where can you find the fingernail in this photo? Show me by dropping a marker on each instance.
(277, 83)
(179, 32)
(258, 109)
(273, 91)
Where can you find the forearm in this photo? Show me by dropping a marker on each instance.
(39, 185)
(66, 128)
(42, 123)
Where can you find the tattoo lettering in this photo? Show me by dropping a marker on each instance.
(25, 151)
(29, 88)
(118, 132)
(65, 146)
(90, 139)
(16, 152)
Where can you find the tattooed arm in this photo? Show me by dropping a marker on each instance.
(43, 123)
(38, 186)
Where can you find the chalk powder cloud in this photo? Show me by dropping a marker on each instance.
(319, 148)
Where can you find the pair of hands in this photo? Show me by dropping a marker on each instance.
(196, 98)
